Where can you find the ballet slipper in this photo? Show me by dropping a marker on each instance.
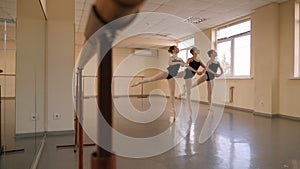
(140, 82)
(172, 119)
(172, 115)
(135, 84)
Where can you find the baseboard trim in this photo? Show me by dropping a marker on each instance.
(57, 133)
(255, 113)
(49, 133)
(28, 135)
(235, 108)
(289, 117)
(8, 98)
(239, 108)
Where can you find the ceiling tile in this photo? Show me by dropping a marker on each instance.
(216, 12)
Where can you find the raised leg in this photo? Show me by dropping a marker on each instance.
(199, 81)
(159, 76)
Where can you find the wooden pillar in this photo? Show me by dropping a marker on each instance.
(103, 159)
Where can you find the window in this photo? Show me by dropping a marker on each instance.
(184, 49)
(297, 41)
(234, 48)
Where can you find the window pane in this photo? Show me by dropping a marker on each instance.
(184, 47)
(183, 55)
(242, 56)
(234, 30)
(186, 44)
(224, 55)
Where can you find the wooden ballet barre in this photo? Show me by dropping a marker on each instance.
(3, 147)
(84, 76)
(7, 74)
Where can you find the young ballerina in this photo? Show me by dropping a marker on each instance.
(195, 63)
(212, 67)
(172, 70)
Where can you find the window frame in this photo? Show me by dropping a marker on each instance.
(231, 39)
(186, 48)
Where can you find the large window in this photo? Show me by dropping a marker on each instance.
(184, 49)
(234, 47)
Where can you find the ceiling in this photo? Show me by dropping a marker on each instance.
(215, 12)
(8, 9)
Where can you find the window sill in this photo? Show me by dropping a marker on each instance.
(294, 78)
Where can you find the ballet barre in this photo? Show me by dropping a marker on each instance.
(8, 75)
(3, 149)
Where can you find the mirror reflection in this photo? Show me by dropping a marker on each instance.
(22, 119)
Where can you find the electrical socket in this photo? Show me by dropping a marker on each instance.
(34, 117)
(56, 116)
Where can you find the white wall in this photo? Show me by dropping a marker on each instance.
(265, 41)
(30, 66)
(60, 64)
(126, 63)
(289, 88)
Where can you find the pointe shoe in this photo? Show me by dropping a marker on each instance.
(172, 116)
(172, 119)
(135, 84)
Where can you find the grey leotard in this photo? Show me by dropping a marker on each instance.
(173, 69)
(214, 68)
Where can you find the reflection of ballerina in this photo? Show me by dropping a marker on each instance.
(174, 64)
(195, 63)
(210, 74)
